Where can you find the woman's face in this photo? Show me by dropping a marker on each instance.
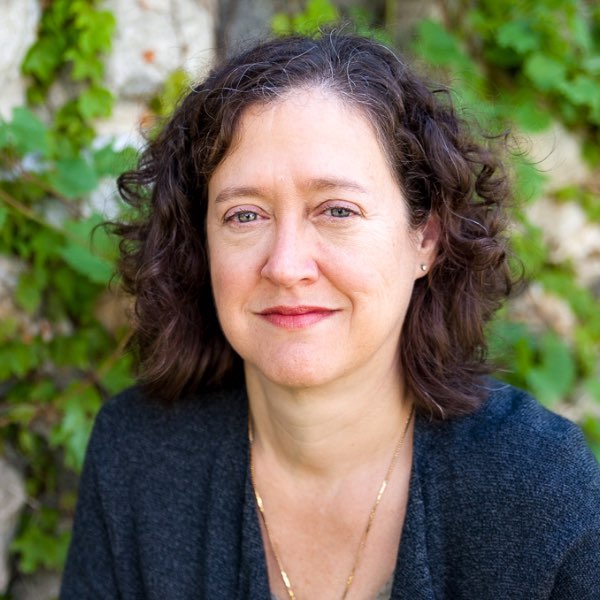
(312, 259)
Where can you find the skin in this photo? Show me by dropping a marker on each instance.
(313, 263)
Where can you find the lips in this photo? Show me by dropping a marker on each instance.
(295, 317)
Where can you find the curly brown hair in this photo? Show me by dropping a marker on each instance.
(441, 168)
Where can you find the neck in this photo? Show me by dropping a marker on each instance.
(323, 434)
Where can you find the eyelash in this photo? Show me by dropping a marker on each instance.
(345, 209)
(236, 217)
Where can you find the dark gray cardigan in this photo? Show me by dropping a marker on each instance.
(504, 504)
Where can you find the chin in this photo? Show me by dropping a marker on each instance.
(294, 376)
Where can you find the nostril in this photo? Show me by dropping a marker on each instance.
(290, 261)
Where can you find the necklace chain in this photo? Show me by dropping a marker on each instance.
(367, 529)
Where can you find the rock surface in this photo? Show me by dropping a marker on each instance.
(18, 24)
(155, 37)
(557, 154)
(12, 500)
(42, 585)
(570, 236)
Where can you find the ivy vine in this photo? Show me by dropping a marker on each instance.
(520, 64)
(58, 360)
(72, 39)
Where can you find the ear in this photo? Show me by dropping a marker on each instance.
(428, 237)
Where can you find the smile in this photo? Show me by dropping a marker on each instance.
(295, 317)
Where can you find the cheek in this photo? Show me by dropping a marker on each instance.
(233, 281)
(382, 281)
(223, 284)
(219, 278)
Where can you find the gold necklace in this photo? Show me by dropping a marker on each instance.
(365, 534)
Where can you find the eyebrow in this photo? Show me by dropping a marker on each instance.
(332, 183)
(320, 184)
(238, 191)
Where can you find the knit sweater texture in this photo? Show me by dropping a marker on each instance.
(503, 504)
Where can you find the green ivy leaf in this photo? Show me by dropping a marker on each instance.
(21, 414)
(582, 301)
(592, 386)
(8, 328)
(587, 346)
(93, 261)
(85, 66)
(591, 429)
(524, 107)
(518, 36)
(441, 48)
(583, 90)
(87, 264)
(28, 133)
(30, 288)
(118, 377)
(591, 64)
(173, 88)
(40, 544)
(281, 24)
(531, 118)
(545, 72)
(96, 31)
(95, 102)
(3, 215)
(582, 34)
(110, 162)
(73, 177)
(4, 134)
(89, 232)
(43, 59)
(530, 181)
(316, 14)
(79, 405)
(18, 359)
(553, 378)
(43, 247)
(523, 355)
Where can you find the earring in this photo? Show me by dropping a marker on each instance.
(423, 267)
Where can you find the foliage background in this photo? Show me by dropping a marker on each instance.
(512, 65)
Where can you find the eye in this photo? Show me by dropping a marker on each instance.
(242, 216)
(339, 212)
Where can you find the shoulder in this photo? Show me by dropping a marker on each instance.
(515, 459)
(516, 425)
(131, 429)
(514, 432)
(512, 484)
(161, 489)
(131, 409)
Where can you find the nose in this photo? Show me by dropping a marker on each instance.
(290, 257)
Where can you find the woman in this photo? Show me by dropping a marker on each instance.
(320, 244)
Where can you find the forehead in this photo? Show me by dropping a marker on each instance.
(315, 110)
(301, 148)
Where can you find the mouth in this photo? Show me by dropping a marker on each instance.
(295, 317)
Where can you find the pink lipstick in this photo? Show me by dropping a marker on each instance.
(295, 317)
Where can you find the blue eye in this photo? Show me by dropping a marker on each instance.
(340, 212)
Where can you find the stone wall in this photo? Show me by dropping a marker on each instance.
(18, 24)
(155, 37)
